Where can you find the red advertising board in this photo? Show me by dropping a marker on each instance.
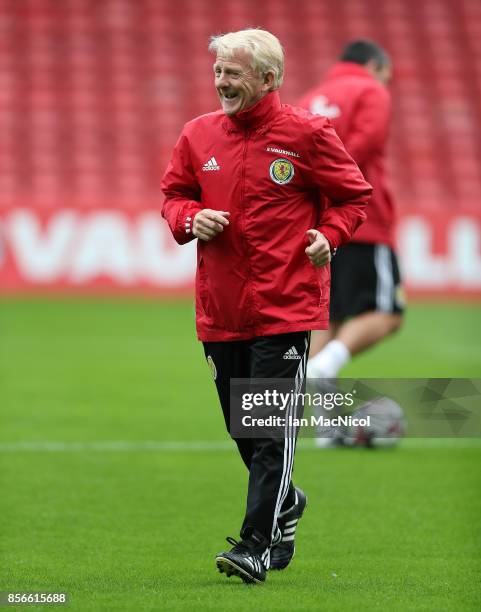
(118, 251)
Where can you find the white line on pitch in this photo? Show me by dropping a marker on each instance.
(193, 446)
(116, 445)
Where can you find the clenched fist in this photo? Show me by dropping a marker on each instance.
(319, 251)
(208, 223)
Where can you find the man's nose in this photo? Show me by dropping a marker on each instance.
(222, 80)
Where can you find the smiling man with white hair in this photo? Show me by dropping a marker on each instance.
(269, 192)
(256, 57)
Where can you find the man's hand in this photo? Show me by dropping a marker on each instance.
(319, 251)
(208, 223)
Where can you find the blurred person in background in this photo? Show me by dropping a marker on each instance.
(248, 181)
(366, 294)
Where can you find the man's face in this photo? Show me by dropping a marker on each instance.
(383, 74)
(238, 86)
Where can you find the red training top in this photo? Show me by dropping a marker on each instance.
(359, 107)
(272, 167)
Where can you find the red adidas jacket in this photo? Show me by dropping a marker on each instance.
(359, 108)
(269, 166)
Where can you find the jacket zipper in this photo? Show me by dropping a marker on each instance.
(250, 308)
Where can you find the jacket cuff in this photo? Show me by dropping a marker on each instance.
(331, 236)
(185, 222)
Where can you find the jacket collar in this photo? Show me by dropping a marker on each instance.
(257, 116)
(348, 69)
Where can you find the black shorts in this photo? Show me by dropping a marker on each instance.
(365, 277)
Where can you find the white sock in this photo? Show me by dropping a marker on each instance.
(328, 362)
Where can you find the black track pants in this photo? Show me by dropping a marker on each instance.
(269, 460)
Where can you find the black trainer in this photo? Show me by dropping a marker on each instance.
(282, 553)
(244, 559)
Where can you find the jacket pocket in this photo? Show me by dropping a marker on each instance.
(202, 289)
(315, 279)
(324, 282)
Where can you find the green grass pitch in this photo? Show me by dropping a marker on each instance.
(108, 492)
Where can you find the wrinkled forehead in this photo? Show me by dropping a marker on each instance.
(235, 59)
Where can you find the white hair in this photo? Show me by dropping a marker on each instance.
(265, 49)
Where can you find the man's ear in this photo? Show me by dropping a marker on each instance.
(269, 79)
(371, 66)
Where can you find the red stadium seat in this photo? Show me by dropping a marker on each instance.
(92, 92)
